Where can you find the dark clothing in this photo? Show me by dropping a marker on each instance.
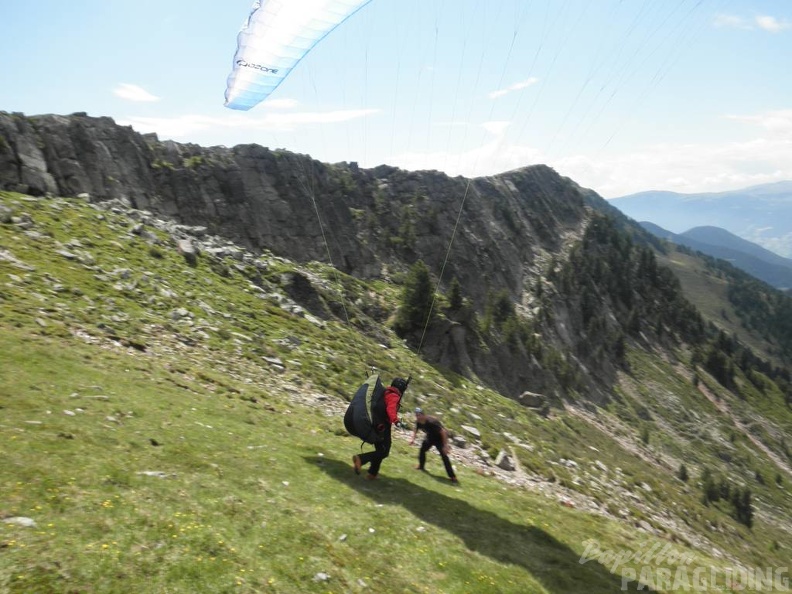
(435, 436)
(392, 399)
(433, 429)
(381, 451)
(425, 447)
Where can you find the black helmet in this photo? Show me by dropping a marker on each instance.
(400, 384)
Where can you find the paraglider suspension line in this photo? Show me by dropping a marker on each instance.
(445, 261)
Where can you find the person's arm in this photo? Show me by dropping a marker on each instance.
(415, 433)
(444, 437)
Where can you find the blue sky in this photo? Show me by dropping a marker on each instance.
(619, 95)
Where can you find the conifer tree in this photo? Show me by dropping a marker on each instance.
(455, 299)
(416, 301)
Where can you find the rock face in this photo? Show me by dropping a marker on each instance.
(374, 222)
(69, 155)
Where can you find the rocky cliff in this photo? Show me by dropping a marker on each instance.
(370, 221)
(503, 231)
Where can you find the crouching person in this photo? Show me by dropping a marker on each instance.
(436, 436)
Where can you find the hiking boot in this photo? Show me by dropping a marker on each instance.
(356, 463)
(422, 469)
(454, 480)
(371, 477)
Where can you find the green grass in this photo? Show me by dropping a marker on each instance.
(251, 496)
(707, 291)
(165, 454)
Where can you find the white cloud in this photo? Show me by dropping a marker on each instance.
(134, 93)
(731, 21)
(683, 167)
(777, 122)
(185, 125)
(680, 167)
(496, 127)
(515, 87)
(279, 103)
(487, 158)
(764, 22)
(313, 117)
(772, 24)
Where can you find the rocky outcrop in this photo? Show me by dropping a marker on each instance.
(69, 155)
(370, 223)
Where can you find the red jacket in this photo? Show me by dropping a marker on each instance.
(392, 398)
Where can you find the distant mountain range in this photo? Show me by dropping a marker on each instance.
(763, 264)
(760, 214)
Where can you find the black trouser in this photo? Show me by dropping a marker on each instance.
(381, 451)
(426, 446)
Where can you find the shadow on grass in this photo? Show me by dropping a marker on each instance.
(549, 561)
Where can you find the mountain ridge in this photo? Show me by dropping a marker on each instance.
(377, 220)
(511, 234)
(759, 214)
(719, 243)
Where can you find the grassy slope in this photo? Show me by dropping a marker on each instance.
(100, 383)
(708, 293)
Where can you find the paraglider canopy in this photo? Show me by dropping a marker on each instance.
(274, 38)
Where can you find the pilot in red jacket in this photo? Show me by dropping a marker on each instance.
(392, 397)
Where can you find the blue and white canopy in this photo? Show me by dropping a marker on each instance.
(276, 35)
